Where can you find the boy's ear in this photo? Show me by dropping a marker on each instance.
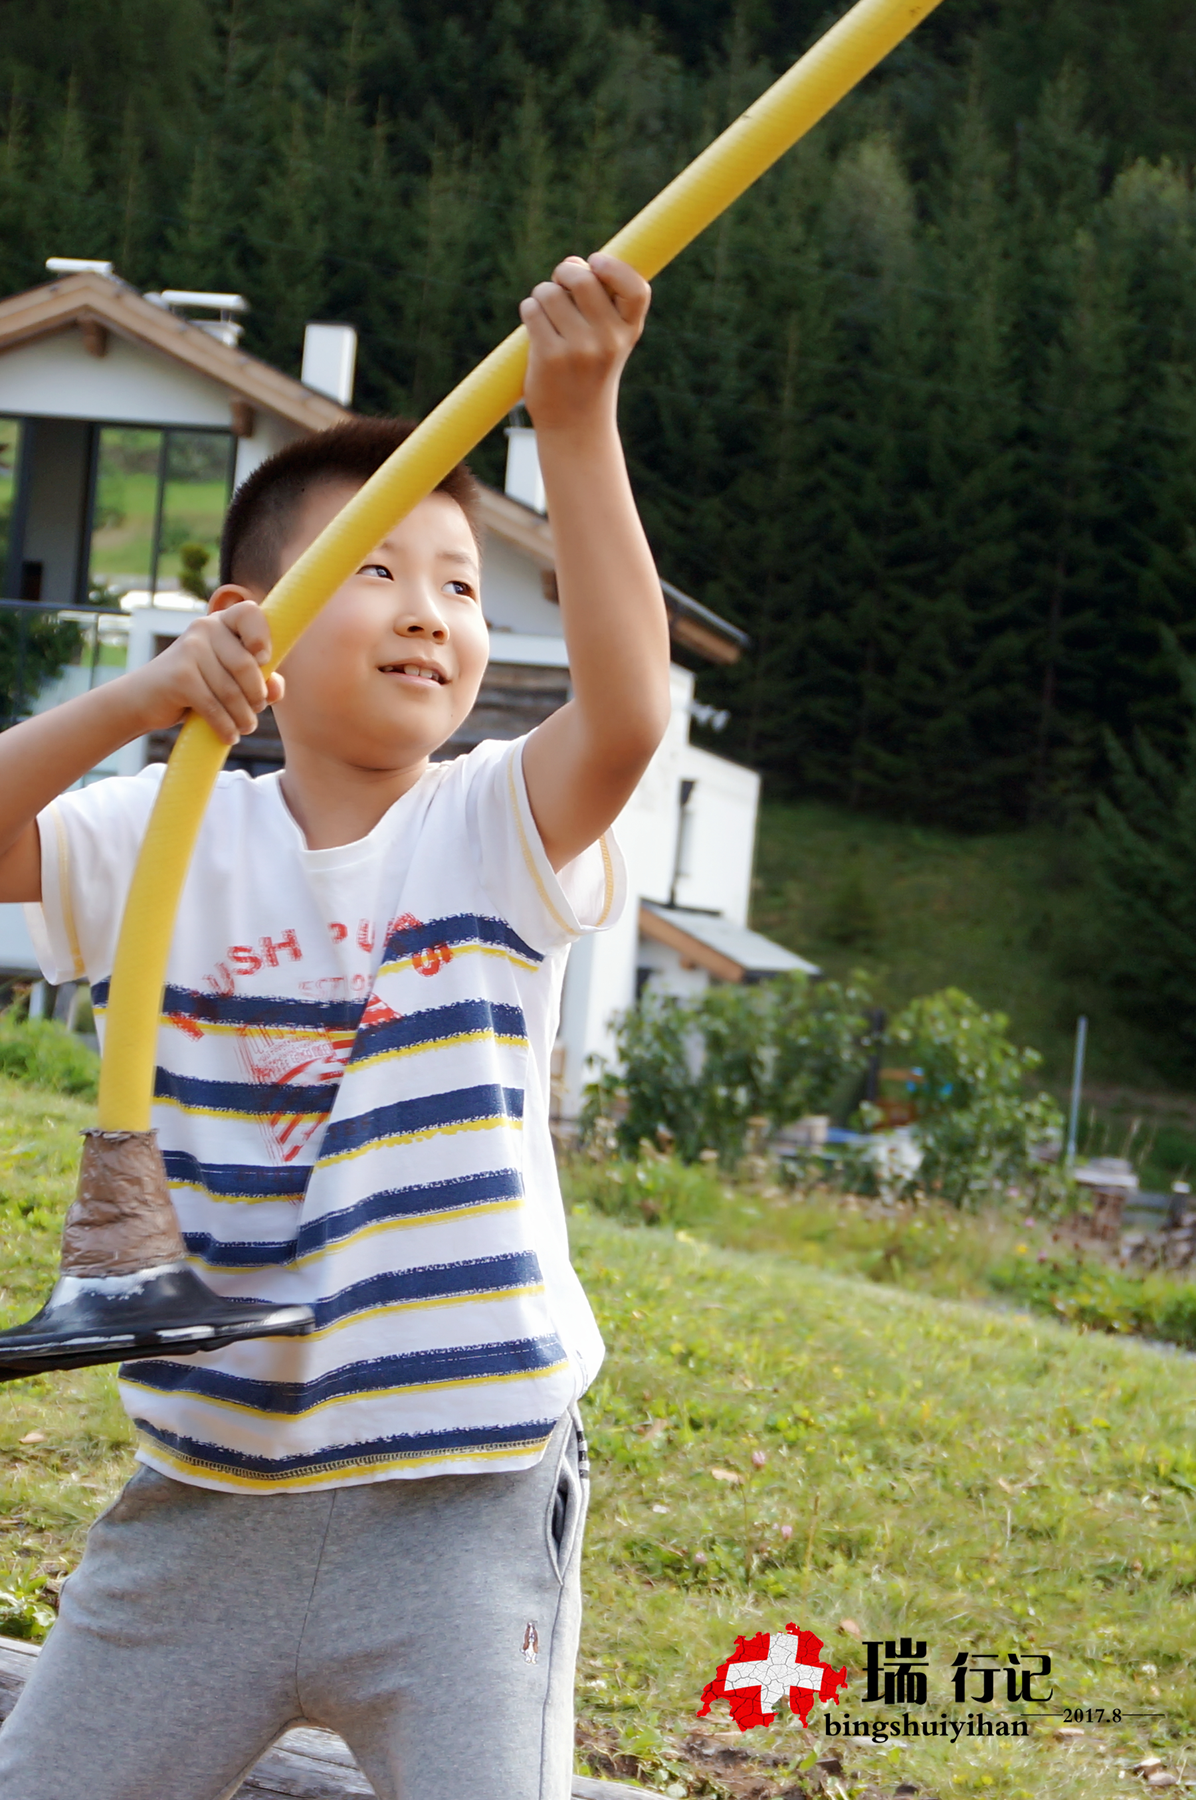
(230, 594)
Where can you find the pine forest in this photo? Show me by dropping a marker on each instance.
(919, 414)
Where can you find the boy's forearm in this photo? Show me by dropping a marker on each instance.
(612, 607)
(44, 755)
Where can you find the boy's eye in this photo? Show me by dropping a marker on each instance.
(376, 569)
(460, 587)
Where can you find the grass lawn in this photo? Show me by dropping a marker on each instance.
(977, 1480)
(934, 1470)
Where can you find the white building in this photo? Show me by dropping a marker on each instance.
(127, 421)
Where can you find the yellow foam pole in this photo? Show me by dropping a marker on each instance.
(666, 225)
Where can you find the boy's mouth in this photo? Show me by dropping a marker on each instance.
(421, 672)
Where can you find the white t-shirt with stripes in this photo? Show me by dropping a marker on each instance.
(352, 1099)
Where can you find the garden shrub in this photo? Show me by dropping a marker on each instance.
(47, 1055)
(655, 1190)
(1102, 1298)
(977, 1127)
(693, 1073)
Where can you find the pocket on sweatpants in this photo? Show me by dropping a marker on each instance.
(567, 1504)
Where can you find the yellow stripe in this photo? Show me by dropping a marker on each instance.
(608, 869)
(408, 1222)
(444, 1043)
(314, 1033)
(332, 1473)
(64, 894)
(288, 1200)
(520, 962)
(495, 1123)
(421, 1387)
(528, 855)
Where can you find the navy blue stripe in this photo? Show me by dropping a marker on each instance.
(428, 1112)
(243, 1096)
(437, 1022)
(434, 1281)
(238, 1181)
(318, 1234)
(530, 1432)
(471, 1362)
(461, 928)
(263, 1009)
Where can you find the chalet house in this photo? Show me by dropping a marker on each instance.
(125, 421)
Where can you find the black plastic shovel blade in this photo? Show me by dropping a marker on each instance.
(167, 1311)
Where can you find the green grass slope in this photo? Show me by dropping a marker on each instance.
(1007, 917)
(933, 1470)
(918, 1467)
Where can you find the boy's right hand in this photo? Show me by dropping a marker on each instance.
(215, 669)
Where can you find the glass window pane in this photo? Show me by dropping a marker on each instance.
(193, 503)
(10, 449)
(122, 532)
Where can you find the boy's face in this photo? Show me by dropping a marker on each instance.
(392, 664)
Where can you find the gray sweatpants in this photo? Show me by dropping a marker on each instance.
(433, 1623)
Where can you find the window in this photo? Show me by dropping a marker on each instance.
(126, 506)
(159, 505)
(10, 448)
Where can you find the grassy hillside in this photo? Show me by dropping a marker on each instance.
(1010, 917)
(772, 1442)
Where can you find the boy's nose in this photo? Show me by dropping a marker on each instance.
(423, 621)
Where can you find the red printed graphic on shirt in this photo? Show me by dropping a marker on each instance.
(431, 960)
(291, 1059)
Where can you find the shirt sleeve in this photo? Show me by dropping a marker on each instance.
(547, 907)
(90, 839)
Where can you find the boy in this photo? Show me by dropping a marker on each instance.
(376, 1528)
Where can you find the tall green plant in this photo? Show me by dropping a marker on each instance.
(694, 1073)
(978, 1127)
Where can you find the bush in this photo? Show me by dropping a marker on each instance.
(656, 1190)
(693, 1073)
(977, 1128)
(47, 1055)
(1104, 1299)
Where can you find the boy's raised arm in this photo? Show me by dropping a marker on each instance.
(213, 669)
(582, 765)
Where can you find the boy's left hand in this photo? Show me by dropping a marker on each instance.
(583, 325)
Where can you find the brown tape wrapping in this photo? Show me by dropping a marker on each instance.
(121, 1218)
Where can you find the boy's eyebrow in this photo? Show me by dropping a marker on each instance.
(455, 556)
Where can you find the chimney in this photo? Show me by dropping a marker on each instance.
(329, 360)
(524, 481)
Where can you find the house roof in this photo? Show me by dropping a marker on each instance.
(95, 304)
(727, 951)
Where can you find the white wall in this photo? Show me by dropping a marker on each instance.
(55, 377)
(721, 837)
(269, 434)
(601, 977)
(670, 975)
(512, 598)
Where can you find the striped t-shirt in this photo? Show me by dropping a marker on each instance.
(352, 1098)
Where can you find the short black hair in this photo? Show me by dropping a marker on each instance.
(263, 509)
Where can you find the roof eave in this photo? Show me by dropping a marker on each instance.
(73, 300)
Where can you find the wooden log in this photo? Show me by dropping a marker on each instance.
(305, 1764)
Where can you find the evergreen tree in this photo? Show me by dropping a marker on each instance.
(918, 413)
